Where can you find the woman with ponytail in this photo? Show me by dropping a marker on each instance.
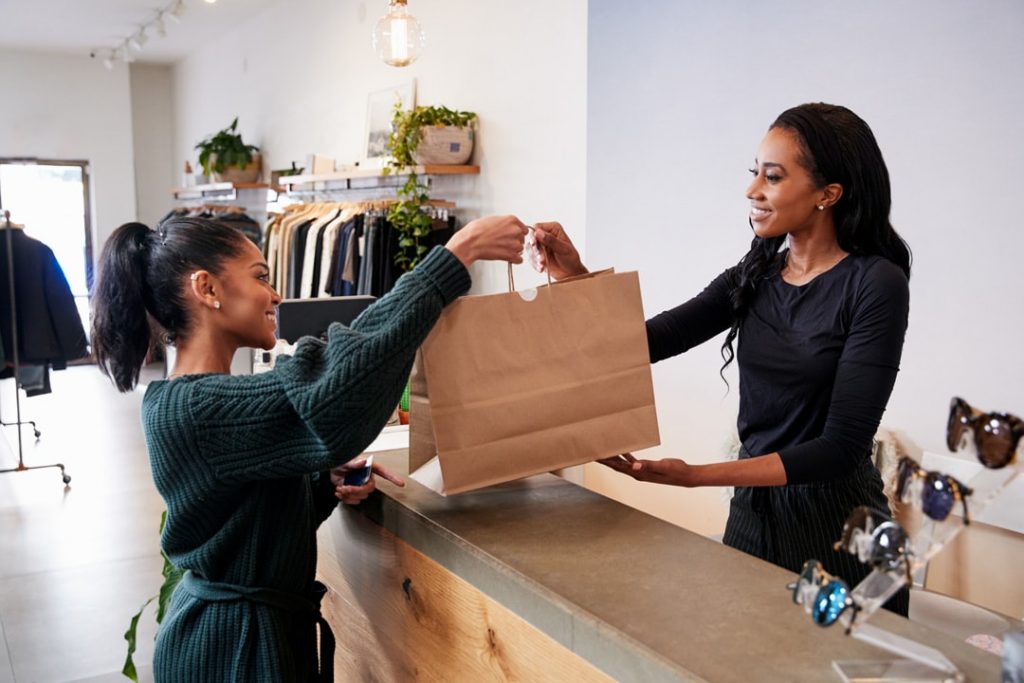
(250, 465)
(819, 307)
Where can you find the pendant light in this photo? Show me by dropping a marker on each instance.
(398, 38)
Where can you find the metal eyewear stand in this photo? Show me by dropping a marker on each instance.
(916, 663)
(17, 362)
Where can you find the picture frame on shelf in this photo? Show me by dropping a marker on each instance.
(380, 107)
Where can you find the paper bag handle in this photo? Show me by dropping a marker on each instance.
(511, 278)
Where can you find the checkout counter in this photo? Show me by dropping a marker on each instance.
(543, 580)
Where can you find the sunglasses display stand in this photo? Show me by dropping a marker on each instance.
(919, 663)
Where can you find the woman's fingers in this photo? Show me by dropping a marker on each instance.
(388, 474)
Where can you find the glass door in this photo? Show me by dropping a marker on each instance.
(51, 199)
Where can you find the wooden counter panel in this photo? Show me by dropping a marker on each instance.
(399, 616)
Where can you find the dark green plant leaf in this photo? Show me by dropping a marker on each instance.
(131, 635)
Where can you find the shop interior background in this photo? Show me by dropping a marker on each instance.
(634, 124)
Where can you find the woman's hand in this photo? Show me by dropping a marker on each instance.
(670, 471)
(353, 495)
(492, 238)
(560, 257)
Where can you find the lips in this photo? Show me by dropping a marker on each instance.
(759, 214)
(272, 317)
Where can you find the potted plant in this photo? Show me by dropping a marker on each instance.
(226, 158)
(422, 135)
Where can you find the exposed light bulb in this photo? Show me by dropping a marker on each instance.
(398, 38)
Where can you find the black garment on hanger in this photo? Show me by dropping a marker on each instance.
(49, 326)
(317, 258)
(236, 219)
(297, 258)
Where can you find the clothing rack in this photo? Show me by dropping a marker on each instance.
(18, 423)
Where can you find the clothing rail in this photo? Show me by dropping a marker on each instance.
(8, 227)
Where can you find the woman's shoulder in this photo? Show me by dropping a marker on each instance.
(879, 284)
(193, 395)
(875, 273)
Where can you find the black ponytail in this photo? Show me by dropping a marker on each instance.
(138, 300)
(837, 146)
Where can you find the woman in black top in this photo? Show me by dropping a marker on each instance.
(819, 305)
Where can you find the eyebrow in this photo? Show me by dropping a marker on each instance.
(770, 164)
(264, 266)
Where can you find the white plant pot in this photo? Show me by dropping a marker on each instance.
(444, 145)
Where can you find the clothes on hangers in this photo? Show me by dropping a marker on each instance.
(339, 248)
(50, 331)
(234, 216)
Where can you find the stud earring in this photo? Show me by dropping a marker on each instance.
(821, 207)
(216, 304)
(193, 277)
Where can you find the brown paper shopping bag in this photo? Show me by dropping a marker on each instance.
(516, 384)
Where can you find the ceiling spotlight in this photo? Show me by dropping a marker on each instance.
(210, 2)
(109, 63)
(161, 26)
(178, 10)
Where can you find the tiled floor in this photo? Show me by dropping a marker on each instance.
(76, 562)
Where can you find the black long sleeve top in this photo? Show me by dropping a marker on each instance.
(817, 362)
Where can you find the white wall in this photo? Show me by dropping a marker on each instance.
(298, 76)
(152, 99)
(680, 94)
(60, 107)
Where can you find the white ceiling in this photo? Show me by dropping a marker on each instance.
(81, 26)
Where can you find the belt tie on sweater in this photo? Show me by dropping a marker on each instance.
(294, 603)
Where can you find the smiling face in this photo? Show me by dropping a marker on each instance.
(248, 303)
(783, 196)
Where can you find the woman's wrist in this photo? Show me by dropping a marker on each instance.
(461, 246)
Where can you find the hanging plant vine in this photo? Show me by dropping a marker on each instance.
(407, 215)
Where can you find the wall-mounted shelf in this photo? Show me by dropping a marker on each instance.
(221, 191)
(364, 177)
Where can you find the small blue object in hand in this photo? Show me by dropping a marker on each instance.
(359, 477)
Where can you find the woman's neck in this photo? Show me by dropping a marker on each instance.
(199, 355)
(813, 252)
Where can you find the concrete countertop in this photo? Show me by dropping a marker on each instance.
(640, 598)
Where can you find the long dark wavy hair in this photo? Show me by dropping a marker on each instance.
(836, 146)
(138, 299)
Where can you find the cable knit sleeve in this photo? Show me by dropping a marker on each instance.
(325, 404)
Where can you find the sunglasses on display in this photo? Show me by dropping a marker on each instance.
(996, 435)
(875, 539)
(938, 493)
(829, 595)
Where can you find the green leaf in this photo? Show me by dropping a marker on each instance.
(131, 635)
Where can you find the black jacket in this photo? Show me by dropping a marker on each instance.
(49, 327)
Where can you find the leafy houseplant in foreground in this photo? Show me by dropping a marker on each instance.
(172, 576)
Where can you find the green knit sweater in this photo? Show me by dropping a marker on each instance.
(241, 463)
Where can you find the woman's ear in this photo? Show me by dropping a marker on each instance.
(830, 194)
(203, 288)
